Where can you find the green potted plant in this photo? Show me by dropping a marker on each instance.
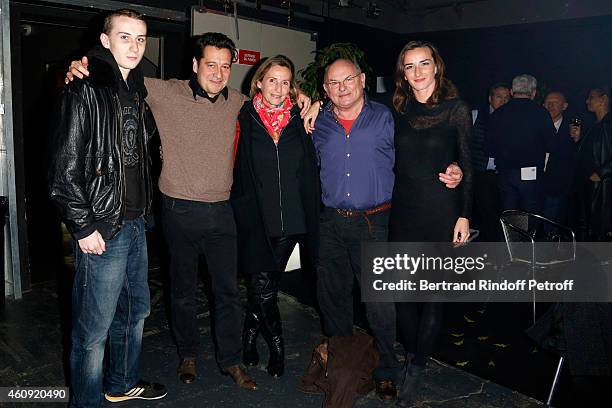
(312, 76)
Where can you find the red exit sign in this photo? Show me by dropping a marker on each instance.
(248, 57)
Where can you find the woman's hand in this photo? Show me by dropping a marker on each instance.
(311, 116)
(462, 230)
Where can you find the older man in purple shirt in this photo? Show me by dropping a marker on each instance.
(354, 138)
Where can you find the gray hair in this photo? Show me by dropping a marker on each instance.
(524, 84)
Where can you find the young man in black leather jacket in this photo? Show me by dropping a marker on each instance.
(101, 184)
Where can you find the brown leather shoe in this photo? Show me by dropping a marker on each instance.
(385, 389)
(240, 377)
(187, 370)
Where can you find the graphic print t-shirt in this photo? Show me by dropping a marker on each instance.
(131, 147)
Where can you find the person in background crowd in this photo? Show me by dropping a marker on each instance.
(561, 166)
(433, 130)
(486, 206)
(519, 135)
(595, 156)
(275, 196)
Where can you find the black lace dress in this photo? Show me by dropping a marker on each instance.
(427, 140)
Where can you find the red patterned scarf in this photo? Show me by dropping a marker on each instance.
(274, 118)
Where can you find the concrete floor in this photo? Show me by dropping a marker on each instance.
(33, 335)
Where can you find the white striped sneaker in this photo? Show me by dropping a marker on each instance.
(142, 390)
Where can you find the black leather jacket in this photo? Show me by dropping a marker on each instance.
(87, 179)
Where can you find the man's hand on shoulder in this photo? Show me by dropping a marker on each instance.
(303, 101)
(93, 244)
(77, 69)
(311, 116)
(452, 177)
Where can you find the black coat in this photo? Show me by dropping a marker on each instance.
(595, 156)
(254, 248)
(582, 332)
(519, 134)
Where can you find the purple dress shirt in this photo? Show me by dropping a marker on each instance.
(356, 168)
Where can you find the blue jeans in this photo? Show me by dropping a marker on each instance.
(110, 299)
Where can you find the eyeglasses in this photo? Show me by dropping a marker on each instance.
(348, 81)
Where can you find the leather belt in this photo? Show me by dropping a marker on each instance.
(363, 213)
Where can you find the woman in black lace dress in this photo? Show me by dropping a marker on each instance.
(432, 130)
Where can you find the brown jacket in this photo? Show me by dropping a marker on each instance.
(341, 367)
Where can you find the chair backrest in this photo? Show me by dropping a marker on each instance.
(534, 239)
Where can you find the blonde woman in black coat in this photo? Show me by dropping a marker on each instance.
(275, 196)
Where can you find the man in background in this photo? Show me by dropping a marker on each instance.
(486, 203)
(519, 135)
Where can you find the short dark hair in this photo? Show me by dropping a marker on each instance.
(217, 40)
(497, 86)
(108, 20)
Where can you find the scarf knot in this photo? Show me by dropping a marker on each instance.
(274, 118)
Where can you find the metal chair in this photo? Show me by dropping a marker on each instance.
(521, 227)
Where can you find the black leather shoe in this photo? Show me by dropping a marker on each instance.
(410, 385)
(187, 370)
(385, 389)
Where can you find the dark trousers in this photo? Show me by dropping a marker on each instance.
(419, 326)
(339, 262)
(517, 194)
(192, 228)
(486, 207)
(555, 207)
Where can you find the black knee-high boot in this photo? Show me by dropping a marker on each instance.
(272, 332)
(250, 331)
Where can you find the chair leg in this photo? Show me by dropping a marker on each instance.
(534, 308)
(555, 381)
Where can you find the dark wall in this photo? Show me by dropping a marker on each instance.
(570, 55)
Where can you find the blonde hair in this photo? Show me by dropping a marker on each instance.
(278, 60)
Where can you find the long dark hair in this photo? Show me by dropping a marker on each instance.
(444, 88)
